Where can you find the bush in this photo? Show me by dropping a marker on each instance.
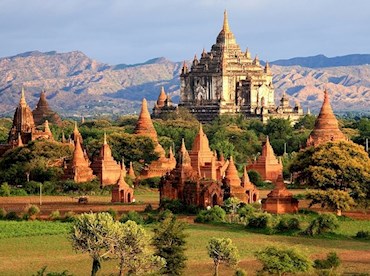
(112, 212)
(42, 272)
(177, 207)
(322, 224)
(32, 187)
(5, 189)
(2, 213)
(240, 272)
(331, 262)
(19, 192)
(260, 221)
(287, 223)
(164, 214)
(152, 182)
(32, 210)
(148, 208)
(55, 215)
(12, 216)
(282, 261)
(255, 178)
(215, 214)
(69, 217)
(134, 216)
(363, 235)
(246, 211)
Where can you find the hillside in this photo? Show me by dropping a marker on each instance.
(78, 85)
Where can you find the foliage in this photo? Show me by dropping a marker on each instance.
(222, 251)
(246, 210)
(240, 272)
(335, 165)
(232, 205)
(2, 213)
(331, 262)
(32, 210)
(133, 216)
(214, 214)
(255, 178)
(260, 221)
(70, 216)
(288, 223)
(92, 234)
(322, 224)
(177, 207)
(54, 215)
(169, 241)
(363, 235)
(5, 189)
(305, 122)
(42, 272)
(12, 216)
(112, 212)
(152, 182)
(131, 245)
(281, 261)
(335, 200)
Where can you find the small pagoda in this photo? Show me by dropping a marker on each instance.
(280, 200)
(163, 105)
(326, 126)
(43, 112)
(267, 165)
(122, 192)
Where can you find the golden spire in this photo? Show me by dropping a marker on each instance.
(225, 26)
(105, 138)
(23, 98)
(47, 128)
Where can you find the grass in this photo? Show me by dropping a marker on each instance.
(45, 243)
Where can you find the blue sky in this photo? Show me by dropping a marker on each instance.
(133, 31)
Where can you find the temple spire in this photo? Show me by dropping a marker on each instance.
(22, 101)
(225, 26)
(105, 138)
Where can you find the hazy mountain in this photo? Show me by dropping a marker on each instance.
(76, 84)
(321, 61)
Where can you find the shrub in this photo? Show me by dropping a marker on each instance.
(32, 210)
(246, 210)
(307, 212)
(281, 261)
(255, 178)
(2, 213)
(331, 262)
(112, 212)
(152, 182)
(69, 217)
(19, 192)
(148, 208)
(215, 214)
(177, 207)
(32, 187)
(12, 216)
(240, 272)
(363, 235)
(42, 272)
(287, 223)
(55, 215)
(134, 216)
(322, 224)
(5, 189)
(261, 221)
(164, 214)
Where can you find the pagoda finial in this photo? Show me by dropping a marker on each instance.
(183, 147)
(201, 129)
(19, 141)
(267, 67)
(105, 137)
(23, 98)
(225, 26)
(47, 128)
(75, 130)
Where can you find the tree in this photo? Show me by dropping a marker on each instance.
(335, 165)
(93, 233)
(222, 251)
(169, 241)
(282, 261)
(322, 224)
(132, 247)
(335, 200)
(305, 122)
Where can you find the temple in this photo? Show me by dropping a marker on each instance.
(233, 184)
(280, 200)
(326, 126)
(43, 112)
(105, 167)
(227, 80)
(78, 169)
(267, 165)
(122, 192)
(163, 164)
(163, 106)
(201, 179)
(24, 129)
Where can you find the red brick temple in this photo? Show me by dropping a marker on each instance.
(122, 192)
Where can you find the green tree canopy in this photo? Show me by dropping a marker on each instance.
(222, 251)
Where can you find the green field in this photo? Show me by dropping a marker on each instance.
(28, 246)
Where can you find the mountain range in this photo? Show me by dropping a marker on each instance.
(77, 85)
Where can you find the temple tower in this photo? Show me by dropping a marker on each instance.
(122, 192)
(233, 183)
(104, 165)
(267, 165)
(43, 112)
(326, 126)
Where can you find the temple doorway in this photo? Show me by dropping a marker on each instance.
(122, 196)
(128, 197)
(214, 200)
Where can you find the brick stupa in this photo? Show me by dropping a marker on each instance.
(43, 112)
(326, 126)
(267, 165)
(250, 189)
(233, 182)
(122, 192)
(280, 200)
(78, 168)
(145, 127)
(163, 105)
(105, 167)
